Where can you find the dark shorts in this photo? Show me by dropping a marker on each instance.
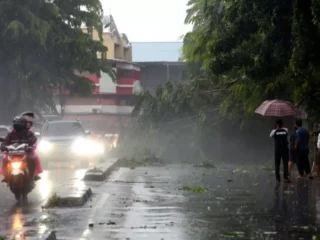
(293, 156)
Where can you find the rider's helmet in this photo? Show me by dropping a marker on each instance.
(29, 121)
(19, 123)
(29, 116)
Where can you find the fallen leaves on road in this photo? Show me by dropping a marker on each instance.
(143, 201)
(144, 227)
(204, 165)
(53, 201)
(254, 169)
(107, 223)
(147, 161)
(193, 189)
(309, 228)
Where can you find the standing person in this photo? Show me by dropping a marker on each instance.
(281, 150)
(302, 148)
(318, 156)
(293, 154)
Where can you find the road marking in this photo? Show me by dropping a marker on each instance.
(99, 203)
(116, 176)
(97, 206)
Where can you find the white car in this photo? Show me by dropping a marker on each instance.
(4, 130)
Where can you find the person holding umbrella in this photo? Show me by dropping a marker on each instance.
(281, 150)
(279, 108)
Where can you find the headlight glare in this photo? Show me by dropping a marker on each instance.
(45, 146)
(16, 165)
(80, 146)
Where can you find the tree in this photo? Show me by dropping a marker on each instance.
(248, 51)
(41, 46)
(260, 50)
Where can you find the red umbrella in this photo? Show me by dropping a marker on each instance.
(276, 108)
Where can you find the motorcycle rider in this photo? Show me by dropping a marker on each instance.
(19, 134)
(38, 168)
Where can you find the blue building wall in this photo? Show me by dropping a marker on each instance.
(156, 51)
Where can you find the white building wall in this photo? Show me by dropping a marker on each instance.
(106, 84)
(111, 109)
(117, 109)
(128, 66)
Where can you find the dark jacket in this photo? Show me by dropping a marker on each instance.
(280, 136)
(20, 137)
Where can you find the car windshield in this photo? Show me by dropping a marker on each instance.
(3, 132)
(63, 129)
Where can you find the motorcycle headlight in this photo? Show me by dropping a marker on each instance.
(45, 146)
(80, 146)
(16, 165)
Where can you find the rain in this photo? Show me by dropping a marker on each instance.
(180, 120)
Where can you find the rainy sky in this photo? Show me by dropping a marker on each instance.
(149, 20)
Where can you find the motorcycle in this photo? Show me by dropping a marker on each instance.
(18, 176)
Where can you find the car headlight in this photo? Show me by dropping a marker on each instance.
(16, 165)
(96, 147)
(80, 146)
(44, 146)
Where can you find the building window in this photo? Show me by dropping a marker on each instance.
(124, 73)
(108, 102)
(122, 102)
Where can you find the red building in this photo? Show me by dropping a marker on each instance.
(109, 98)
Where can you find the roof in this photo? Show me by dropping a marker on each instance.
(156, 51)
(62, 121)
(161, 63)
(112, 60)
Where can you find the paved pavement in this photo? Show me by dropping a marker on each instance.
(146, 203)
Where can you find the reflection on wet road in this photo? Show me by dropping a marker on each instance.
(148, 203)
(18, 220)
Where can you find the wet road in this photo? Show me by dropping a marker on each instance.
(14, 217)
(148, 203)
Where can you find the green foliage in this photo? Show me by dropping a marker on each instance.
(194, 189)
(258, 49)
(53, 201)
(195, 100)
(144, 158)
(41, 46)
(238, 54)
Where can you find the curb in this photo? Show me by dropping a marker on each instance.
(51, 235)
(47, 235)
(72, 196)
(101, 172)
